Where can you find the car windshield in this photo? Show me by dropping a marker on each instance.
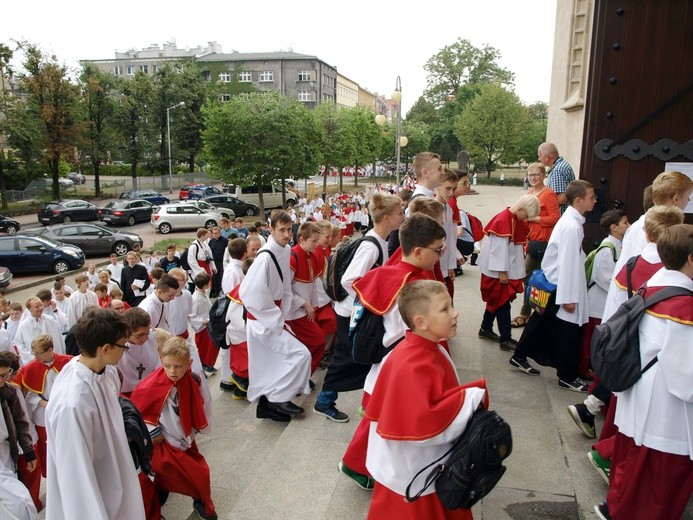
(46, 240)
(53, 206)
(117, 204)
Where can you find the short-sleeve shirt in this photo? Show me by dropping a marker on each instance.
(560, 175)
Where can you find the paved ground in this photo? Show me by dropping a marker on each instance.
(265, 470)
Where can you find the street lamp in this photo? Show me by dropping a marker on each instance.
(400, 140)
(168, 130)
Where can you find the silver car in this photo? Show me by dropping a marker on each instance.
(170, 217)
(211, 208)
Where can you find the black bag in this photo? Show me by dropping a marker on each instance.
(536, 249)
(184, 257)
(339, 262)
(216, 326)
(366, 331)
(474, 464)
(615, 343)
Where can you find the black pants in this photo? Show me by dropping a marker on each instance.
(502, 316)
(344, 374)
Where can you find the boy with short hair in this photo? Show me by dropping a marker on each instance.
(50, 308)
(554, 338)
(115, 267)
(93, 278)
(199, 317)
(11, 323)
(409, 429)
(172, 405)
(141, 358)
(170, 261)
(101, 291)
(652, 466)
(80, 300)
(422, 241)
(34, 324)
(448, 262)
(88, 454)
(241, 230)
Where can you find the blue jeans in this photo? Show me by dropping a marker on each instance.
(326, 398)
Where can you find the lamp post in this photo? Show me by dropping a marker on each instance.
(400, 140)
(168, 131)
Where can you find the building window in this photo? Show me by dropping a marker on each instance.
(155, 68)
(266, 75)
(304, 95)
(225, 97)
(304, 75)
(118, 71)
(131, 70)
(225, 77)
(577, 59)
(245, 76)
(144, 68)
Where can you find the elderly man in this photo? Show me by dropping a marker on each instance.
(560, 172)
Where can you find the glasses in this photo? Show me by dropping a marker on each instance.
(124, 347)
(438, 250)
(535, 175)
(143, 334)
(7, 375)
(464, 183)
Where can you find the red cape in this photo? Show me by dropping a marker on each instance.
(405, 415)
(678, 308)
(507, 225)
(497, 294)
(397, 257)
(641, 273)
(34, 373)
(378, 288)
(307, 267)
(151, 394)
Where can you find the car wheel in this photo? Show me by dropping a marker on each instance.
(61, 266)
(120, 248)
(210, 224)
(165, 228)
(249, 212)
(11, 229)
(290, 201)
(131, 220)
(67, 219)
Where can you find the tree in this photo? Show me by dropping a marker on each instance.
(335, 138)
(5, 58)
(166, 94)
(532, 135)
(98, 90)
(259, 138)
(52, 103)
(461, 63)
(491, 124)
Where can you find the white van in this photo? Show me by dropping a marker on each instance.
(271, 195)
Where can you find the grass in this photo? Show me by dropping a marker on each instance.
(180, 243)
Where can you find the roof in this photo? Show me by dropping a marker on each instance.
(255, 56)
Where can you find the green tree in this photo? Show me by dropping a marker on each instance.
(532, 134)
(52, 102)
(5, 57)
(167, 93)
(491, 124)
(336, 144)
(98, 99)
(259, 138)
(419, 140)
(462, 63)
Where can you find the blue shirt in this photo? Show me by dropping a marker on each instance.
(560, 175)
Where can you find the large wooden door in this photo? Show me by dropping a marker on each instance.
(639, 101)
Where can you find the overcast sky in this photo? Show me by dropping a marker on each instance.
(370, 42)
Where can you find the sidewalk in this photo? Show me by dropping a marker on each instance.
(262, 470)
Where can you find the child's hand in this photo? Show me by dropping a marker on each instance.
(310, 310)
(569, 307)
(503, 277)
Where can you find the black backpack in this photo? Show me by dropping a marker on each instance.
(474, 464)
(615, 343)
(184, 257)
(216, 326)
(339, 262)
(366, 331)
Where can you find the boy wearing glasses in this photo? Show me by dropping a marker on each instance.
(88, 454)
(141, 357)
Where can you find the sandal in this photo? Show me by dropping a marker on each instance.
(519, 322)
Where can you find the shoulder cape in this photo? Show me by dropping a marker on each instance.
(507, 225)
(34, 373)
(378, 288)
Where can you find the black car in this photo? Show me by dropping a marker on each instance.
(92, 238)
(238, 206)
(9, 225)
(149, 195)
(35, 254)
(65, 211)
(121, 212)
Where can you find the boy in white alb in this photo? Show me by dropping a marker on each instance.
(141, 358)
(80, 300)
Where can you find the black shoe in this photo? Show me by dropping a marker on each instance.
(239, 395)
(459, 271)
(199, 507)
(576, 385)
(240, 382)
(286, 407)
(602, 511)
(583, 418)
(311, 384)
(489, 334)
(263, 412)
(524, 366)
(163, 496)
(509, 345)
(227, 387)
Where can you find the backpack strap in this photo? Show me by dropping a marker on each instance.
(374, 240)
(630, 265)
(274, 259)
(602, 246)
(433, 475)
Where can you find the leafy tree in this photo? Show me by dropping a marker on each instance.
(259, 138)
(532, 134)
(419, 140)
(336, 142)
(461, 63)
(491, 124)
(132, 120)
(5, 57)
(98, 89)
(166, 82)
(423, 111)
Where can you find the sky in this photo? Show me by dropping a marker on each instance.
(369, 42)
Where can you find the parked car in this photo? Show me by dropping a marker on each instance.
(182, 216)
(9, 225)
(197, 191)
(77, 178)
(5, 277)
(121, 212)
(93, 239)
(149, 195)
(34, 254)
(64, 211)
(271, 195)
(237, 206)
(213, 208)
(64, 183)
